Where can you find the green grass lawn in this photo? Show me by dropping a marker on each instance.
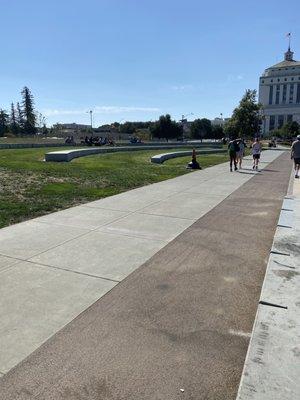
(30, 187)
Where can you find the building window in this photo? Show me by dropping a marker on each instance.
(277, 94)
(292, 79)
(271, 80)
(280, 121)
(291, 98)
(272, 122)
(278, 80)
(285, 79)
(298, 93)
(289, 118)
(284, 93)
(271, 95)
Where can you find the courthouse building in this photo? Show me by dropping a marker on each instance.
(279, 93)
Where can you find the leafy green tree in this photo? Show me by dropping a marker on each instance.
(165, 128)
(28, 112)
(245, 119)
(217, 132)
(291, 129)
(14, 127)
(127, 127)
(4, 122)
(201, 129)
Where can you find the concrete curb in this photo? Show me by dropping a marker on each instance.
(272, 367)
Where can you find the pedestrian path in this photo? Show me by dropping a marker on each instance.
(179, 325)
(54, 267)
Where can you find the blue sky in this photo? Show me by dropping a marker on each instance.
(138, 59)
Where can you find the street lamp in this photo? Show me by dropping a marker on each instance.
(183, 117)
(91, 116)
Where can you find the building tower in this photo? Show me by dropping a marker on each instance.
(279, 93)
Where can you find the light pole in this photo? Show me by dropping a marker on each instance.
(183, 117)
(91, 116)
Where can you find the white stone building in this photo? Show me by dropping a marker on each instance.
(279, 93)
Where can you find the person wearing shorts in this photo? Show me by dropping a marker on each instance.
(256, 151)
(295, 155)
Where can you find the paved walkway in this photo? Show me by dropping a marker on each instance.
(74, 257)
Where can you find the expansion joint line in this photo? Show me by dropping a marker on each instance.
(266, 303)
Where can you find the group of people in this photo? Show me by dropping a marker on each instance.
(70, 140)
(236, 148)
(97, 141)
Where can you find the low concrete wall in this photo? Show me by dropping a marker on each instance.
(173, 144)
(160, 158)
(68, 155)
(31, 145)
(272, 367)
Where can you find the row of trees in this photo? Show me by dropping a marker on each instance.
(246, 120)
(22, 118)
(166, 128)
(289, 131)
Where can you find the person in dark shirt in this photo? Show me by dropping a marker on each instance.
(295, 154)
(233, 148)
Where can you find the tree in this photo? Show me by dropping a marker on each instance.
(14, 127)
(4, 120)
(201, 129)
(245, 119)
(288, 131)
(291, 129)
(217, 132)
(28, 112)
(127, 127)
(19, 118)
(166, 128)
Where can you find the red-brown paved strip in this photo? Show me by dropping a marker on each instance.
(173, 324)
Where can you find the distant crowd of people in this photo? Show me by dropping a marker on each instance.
(97, 141)
(70, 140)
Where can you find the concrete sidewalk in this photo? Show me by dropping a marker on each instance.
(54, 267)
(179, 326)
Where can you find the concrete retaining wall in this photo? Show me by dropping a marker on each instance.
(68, 155)
(30, 145)
(272, 366)
(160, 158)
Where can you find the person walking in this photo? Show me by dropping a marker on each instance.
(256, 151)
(233, 148)
(240, 154)
(295, 154)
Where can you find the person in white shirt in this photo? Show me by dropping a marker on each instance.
(256, 151)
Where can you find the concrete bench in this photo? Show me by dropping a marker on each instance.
(68, 155)
(160, 158)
